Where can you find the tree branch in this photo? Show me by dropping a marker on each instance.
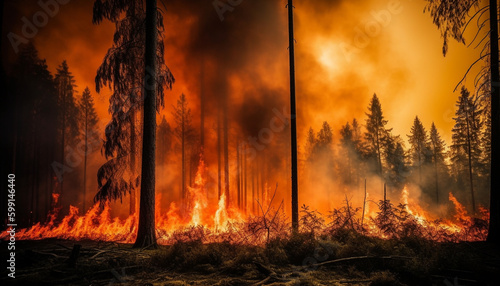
(468, 70)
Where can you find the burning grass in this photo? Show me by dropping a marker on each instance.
(207, 221)
(230, 225)
(391, 245)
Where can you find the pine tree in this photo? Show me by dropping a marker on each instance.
(184, 132)
(32, 129)
(397, 170)
(466, 152)
(123, 69)
(88, 125)
(135, 68)
(438, 147)
(164, 141)
(451, 18)
(376, 134)
(68, 117)
(324, 139)
(347, 151)
(419, 148)
(310, 143)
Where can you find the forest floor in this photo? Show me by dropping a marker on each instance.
(350, 260)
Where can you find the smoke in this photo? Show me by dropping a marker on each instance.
(345, 51)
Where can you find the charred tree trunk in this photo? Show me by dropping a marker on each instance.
(494, 230)
(202, 108)
(132, 163)
(183, 156)
(436, 178)
(238, 174)
(245, 197)
(219, 159)
(253, 188)
(63, 94)
(295, 192)
(469, 157)
(85, 161)
(146, 236)
(226, 149)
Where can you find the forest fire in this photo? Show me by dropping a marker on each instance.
(199, 221)
(161, 128)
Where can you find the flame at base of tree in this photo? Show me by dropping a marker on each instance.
(201, 221)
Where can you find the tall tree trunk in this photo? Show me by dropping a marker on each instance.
(494, 231)
(295, 184)
(202, 107)
(238, 173)
(85, 163)
(146, 235)
(419, 169)
(225, 124)
(219, 158)
(37, 183)
(253, 188)
(245, 197)
(469, 156)
(63, 94)
(132, 159)
(436, 179)
(183, 155)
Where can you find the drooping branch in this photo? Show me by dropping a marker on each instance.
(482, 11)
(468, 70)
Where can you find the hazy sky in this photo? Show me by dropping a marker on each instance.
(337, 69)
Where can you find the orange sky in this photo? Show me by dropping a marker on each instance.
(402, 63)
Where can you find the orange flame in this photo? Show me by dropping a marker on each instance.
(97, 223)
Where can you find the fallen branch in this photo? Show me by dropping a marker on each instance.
(358, 258)
(99, 253)
(354, 281)
(47, 253)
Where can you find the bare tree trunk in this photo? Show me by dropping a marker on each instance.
(253, 188)
(245, 198)
(469, 155)
(238, 174)
(183, 151)
(295, 185)
(219, 159)
(202, 107)
(146, 235)
(226, 149)
(63, 94)
(85, 163)
(436, 178)
(494, 229)
(132, 163)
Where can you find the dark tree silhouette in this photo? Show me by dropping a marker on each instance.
(68, 118)
(32, 129)
(451, 17)
(88, 126)
(466, 152)
(293, 112)
(376, 134)
(164, 139)
(396, 171)
(183, 132)
(419, 147)
(135, 68)
(146, 233)
(438, 147)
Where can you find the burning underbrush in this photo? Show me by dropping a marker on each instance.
(201, 221)
(226, 224)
